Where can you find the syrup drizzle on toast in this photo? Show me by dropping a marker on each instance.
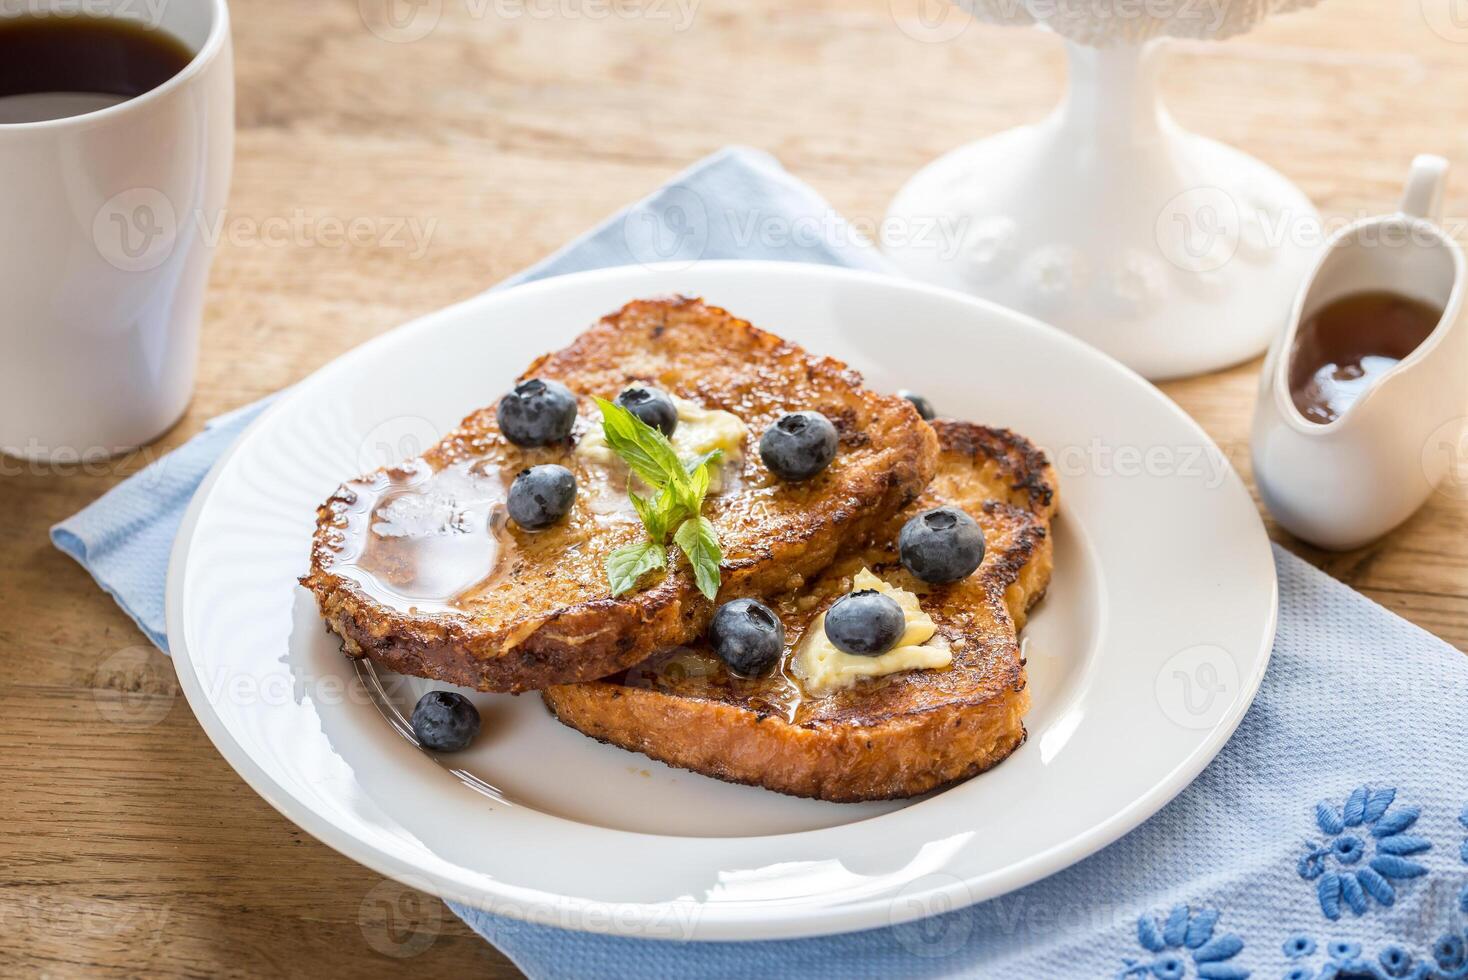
(425, 541)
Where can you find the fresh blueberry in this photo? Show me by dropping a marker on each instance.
(941, 545)
(541, 495)
(652, 406)
(537, 413)
(747, 636)
(866, 623)
(445, 721)
(919, 402)
(799, 445)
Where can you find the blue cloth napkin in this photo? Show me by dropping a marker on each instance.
(1329, 839)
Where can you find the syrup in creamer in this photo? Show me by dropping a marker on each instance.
(423, 541)
(1348, 344)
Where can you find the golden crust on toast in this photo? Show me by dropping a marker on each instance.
(544, 614)
(891, 737)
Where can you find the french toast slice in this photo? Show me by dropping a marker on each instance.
(417, 567)
(888, 737)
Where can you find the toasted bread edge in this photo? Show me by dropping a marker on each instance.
(896, 758)
(593, 639)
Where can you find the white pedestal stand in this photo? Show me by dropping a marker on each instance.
(1173, 253)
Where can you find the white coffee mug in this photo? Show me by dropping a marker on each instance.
(103, 251)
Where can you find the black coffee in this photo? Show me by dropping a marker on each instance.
(51, 67)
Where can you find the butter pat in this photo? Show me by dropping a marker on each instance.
(700, 430)
(822, 668)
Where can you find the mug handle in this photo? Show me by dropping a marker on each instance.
(1423, 195)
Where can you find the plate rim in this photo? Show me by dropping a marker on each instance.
(728, 921)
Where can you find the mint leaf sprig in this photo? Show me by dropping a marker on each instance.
(676, 505)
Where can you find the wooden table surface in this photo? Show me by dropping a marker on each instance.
(130, 847)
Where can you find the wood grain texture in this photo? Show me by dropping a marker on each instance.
(131, 848)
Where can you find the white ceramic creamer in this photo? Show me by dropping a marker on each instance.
(1342, 483)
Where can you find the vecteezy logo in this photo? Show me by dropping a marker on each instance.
(1448, 19)
(401, 438)
(1445, 458)
(132, 688)
(1198, 230)
(989, 248)
(398, 920)
(930, 21)
(400, 21)
(136, 230)
(918, 915)
(1196, 686)
(673, 225)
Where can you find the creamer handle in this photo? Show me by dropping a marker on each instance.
(1423, 195)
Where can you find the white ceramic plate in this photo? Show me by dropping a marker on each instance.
(1142, 659)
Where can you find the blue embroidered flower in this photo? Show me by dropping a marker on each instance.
(1298, 946)
(1451, 953)
(1363, 823)
(1395, 961)
(1185, 939)
(1450, 957)
(1347, 962)
(1463, 853)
